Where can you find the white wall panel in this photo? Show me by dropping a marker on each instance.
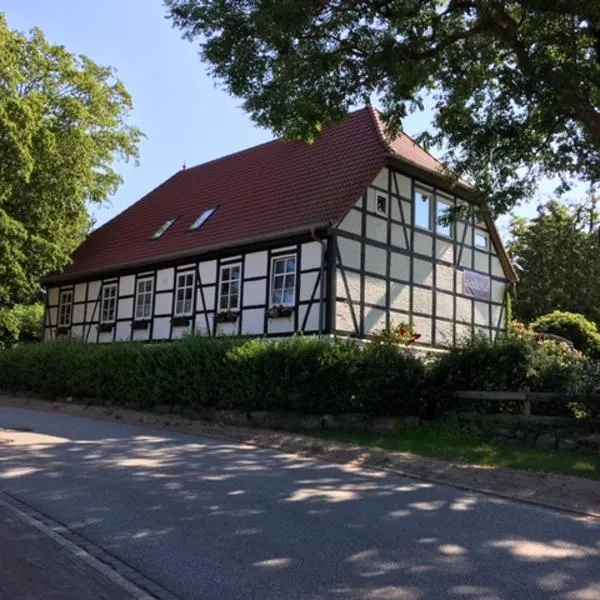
(375, 259)
(104, 337)
(422, 300)
(201, 327)
(162, 328)
(349, 252)
(482, 262)
(423, 272)
(311, 256)
(163, 303)
(423, 244)
(307, 285)
(281, 325)
(126, 285)
(463, 310)
(209, 297)
(79, 293)
(399, 296)
(463, 333)
(374, 320)
(227, 329)
(423, 325)
(404, 185)
(125, 308)
(397, 236)
(375, 289)
(445, 251)
(443, 333)
(382, 179)
(77, 332)
(400, 266)
(497, 269)
(444, 305)
(53, 312)
(94, 289)
(181, 331)
(498, 317)
(254, 292)
(78, 315)
(256, 264)
(343, 317)
(498, 291)
(53, 296)
(123, 331)
(312, 323)
(353, 280)
(352, 222)
(253, 321)
(482, 313)
(208, 271)
(141, 335)
(376, 229)
(165, 279)
(466, 258)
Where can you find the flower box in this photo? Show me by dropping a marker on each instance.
(279, 312)
(64, 330)
(141, 324)
(226, 317)
(105, 327)
(180, 321)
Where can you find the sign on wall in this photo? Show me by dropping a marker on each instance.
(477, 285)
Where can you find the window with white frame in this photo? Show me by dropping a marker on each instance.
(65, 309)
(283, 280)
(381, 204)
(108, 307)
(481, 240)
(423, 203)
(229, 290)
(442, 213)
(184, 293)
(143, 298)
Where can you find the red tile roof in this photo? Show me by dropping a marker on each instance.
(275, 188)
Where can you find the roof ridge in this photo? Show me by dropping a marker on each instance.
(379, 128)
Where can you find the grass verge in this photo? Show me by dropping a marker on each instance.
(458, 443)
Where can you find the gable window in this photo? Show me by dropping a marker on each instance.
(184, 294)
(65, 309)
(205, 216)
(108, 307)
(381, 205)
(163, 228)
(283, 281)
(423, 202)
(229, 291)
(481, 240)
(442, 227)
(143, 298)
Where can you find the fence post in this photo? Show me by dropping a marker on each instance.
(527, 404)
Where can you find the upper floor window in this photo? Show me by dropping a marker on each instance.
(423, 203)
(381, 204)
(163, 228)
(143, 298)
(229, 291)
(205, 216)
(184, 293)
(442, 227)
(65, 309)
(108, 307)
(481, 240)
(283, 280)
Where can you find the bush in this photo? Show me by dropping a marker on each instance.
(574, 327)
(304, 375)
(21, 324)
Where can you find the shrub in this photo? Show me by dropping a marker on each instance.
(576, 328)
(21, 324)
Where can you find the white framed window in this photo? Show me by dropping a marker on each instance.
(143, 298)
(184, 293)
(108, 306)
(163, 228)
(65, 308)
(423, 204)
(381, 204)
(283, 280)
(205, 216)
(442, 212)
(482, 240)
(229, 290)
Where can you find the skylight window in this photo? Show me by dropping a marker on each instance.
(207, 214)
(163, 228)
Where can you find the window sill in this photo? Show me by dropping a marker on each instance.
(226, 317)
(141, 324)
(180, 321)
(105, 327)
(280, 312)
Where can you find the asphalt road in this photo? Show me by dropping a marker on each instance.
(211, 520)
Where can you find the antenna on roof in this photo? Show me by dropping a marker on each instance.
(183, 166)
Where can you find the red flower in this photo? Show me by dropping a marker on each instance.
(416, 336)
(403, 331)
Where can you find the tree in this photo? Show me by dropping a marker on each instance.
(62, 125)
(515, 84)
(556, 256)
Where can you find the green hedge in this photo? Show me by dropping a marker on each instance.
(574, 327)
(305, 374)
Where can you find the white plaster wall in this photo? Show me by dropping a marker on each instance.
(482, 313)
(307, 285)
(123, 331)
(422, 300)
(399, 296)
(353, 280)
(498, 317)
(311, 256)
(374, 320)
(343, 317)
(104, 337)
(312, 322)
(497, 267)
(208, 271)
(423, 244)
(162, 328)
(423, 272)
(53, 295)
(77, 332)
(281, 325)
(375, 259)
(463, 332)
(352, 222)
(399, 266)
(482, 262)
(423, 326)
(382, 179)
(227, 329)
(79, 292)
(498, 290)
(126, 285)
(444, 306)
(444, 331)
(377, 229)
(181, 331)
(165, 279)
(254, 292)
(125, 308)
(463, 310)
(53, 312)
(78, 315)
(404, 185)
(141, 335)
(163, 303)
(256, 264)
(253, 321)
(201, 324)
(397, 237)
(445, 251)
(375, 289)
(349, 252)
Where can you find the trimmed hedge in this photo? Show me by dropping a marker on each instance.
(306, 375)
(574, 327)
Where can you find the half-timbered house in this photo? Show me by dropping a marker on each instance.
(342, 236)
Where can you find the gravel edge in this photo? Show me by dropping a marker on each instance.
(560, 492)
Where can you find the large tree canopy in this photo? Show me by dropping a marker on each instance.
(515, 84)
(557, 259)
(62, 125)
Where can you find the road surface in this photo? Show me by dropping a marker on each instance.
(213, 520)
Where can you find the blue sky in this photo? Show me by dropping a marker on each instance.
(185, 116)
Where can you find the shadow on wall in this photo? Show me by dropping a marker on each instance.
(209, 519)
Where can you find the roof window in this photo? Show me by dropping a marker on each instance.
(207, 214)
(163, 228)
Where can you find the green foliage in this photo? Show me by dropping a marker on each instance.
(576, 328)
(396, 334)
(21, 323)
(63, 122)
(305, 375)
(513, 84)
(556, 255)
